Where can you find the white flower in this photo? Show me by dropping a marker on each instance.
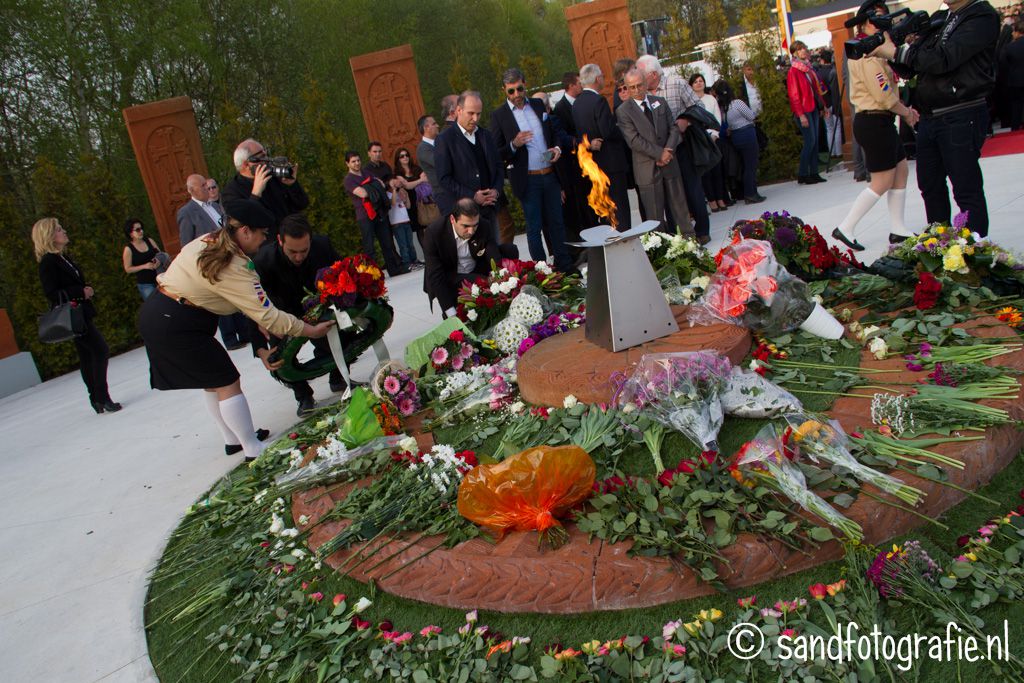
(259, 496)
(408, 445)
(517, 407)
(298, 553)
(276, 525)
(471, 617)
(754, 365)
(701, 281)
(527, 309)
(520, 640)
(495, 287)
(316, 565)
(569, 401)
(290, 533)
(474, 290)
(361, 606)
(879, 348)
(818, 300)
(508, 334)
(471, 314)
(543, 267)
(629, 408)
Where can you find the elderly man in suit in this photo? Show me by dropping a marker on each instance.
(199, 215)
(530, 146)
(468, 163)
(455, 249)
(593, 119)
(650, 131)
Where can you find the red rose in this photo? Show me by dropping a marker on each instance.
(926, 293)
(457, 336)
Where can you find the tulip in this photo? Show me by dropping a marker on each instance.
(338, 599)
(747, 602)
(818, 591)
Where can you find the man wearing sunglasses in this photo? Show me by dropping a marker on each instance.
(530, 144)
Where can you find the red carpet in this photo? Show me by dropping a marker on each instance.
(1004, 143)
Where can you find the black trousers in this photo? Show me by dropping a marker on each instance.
(381, 230)
(92, 357)
(695, 198)
(301, 388)
(949, 145)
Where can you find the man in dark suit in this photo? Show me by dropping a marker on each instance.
(280, 197)
(455, 250)
(530, 146)
(468, 163)
(574, 185)
(650, 131)
(593, 118)
(199, 215)
(425, 152)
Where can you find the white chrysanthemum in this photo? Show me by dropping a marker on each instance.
(471, 314)
(517, 407)
(569, 401)
(650, 240)
(526, 309)
(508, 334)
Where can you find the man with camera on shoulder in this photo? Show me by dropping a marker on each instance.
(954, 61)
(271, 181)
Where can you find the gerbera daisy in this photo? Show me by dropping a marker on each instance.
(392, 385)
(439, 356)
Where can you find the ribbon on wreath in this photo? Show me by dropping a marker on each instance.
(345, 322)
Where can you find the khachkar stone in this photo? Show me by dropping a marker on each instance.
(167, 148)
(601, 34)
(389, 97)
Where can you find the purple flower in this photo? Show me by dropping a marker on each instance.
(406, 407)
(785, 237)
(960, 220)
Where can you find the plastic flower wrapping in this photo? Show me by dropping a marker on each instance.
(681, 391)
(748, 394)
(825, 442)
(752, 290)
(331, 461)
(766, 460)
(799, 247)
(486, 301)
(483, 388)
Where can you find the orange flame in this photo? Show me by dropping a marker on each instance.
(598, 199)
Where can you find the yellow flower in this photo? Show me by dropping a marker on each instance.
(709, 615)
(808, 428)
(931, 241)
(969, 251)
(965, 233)
(954, 258)
(692, 627)
(940, 230)
(971, 556)
(591, 647)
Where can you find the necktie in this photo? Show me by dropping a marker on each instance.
(649, 114)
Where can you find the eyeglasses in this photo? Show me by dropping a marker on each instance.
(513, 91)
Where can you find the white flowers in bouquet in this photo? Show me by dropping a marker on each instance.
(527, 309)
(441, 468)
(509, 333)
(651, 240)
(331, 461)
(747, 394)
(506, 286)
(679, 245)
(878, 348)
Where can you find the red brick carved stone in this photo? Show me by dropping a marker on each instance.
(8, 344)
(583, 576)
(601, 34)
(168, 150)
(389, 97)
(569, 364)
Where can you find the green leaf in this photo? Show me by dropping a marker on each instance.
(962, 569)
(821, 534)
(843, 500)
(420, 676)
(947, 582)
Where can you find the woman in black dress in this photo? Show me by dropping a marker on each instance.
(139, 257)
(63, 280)
(413, 176)
(210, 277)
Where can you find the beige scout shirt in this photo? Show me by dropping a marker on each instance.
(872, 85)
(238, 289)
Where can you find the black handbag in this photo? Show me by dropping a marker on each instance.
(64, 321)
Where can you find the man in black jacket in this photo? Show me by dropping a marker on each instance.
(287, 268)
(954, 64)
(254, 181)
(455, 250)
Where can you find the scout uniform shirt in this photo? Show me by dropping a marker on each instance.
(237, 289)
(872, 85)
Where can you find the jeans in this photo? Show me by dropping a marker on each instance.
(403, 236)
(145, 289)
(233, 329)
(809, 152)
(379, 229)
(949, 146)
(542, 208)
(834, 135)
(745, 142)
(92, 357)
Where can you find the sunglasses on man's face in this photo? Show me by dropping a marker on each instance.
(513, 91)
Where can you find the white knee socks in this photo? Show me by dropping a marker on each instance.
(861, 205)
(235, 411)
(897, 202)
(213, 405)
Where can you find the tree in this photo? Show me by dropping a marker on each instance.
(534, 71)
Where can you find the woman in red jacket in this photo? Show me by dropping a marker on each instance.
(805, 99)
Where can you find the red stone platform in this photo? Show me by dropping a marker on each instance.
(569, 364)
(515, 576)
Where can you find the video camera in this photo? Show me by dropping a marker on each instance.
(278, 167)
(914, 22)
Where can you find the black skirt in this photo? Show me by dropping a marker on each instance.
(876, 133)
(182, 350)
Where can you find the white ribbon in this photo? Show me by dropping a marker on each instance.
(345, 322)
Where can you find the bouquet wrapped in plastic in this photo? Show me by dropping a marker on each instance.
(827, 442)
(766, 460)
(528, 491)
(748, 394)
(331, 462)
(484, 387)
(681, 391)
(752, 290)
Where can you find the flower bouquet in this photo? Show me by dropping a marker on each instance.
(748, 394)
(681, 391)
(458, 353)
(464, 394)
(676, 255)
(395, 384)
(799, 247)
(963, 256)
(485, 302)
(556, 323)
(766, 460)
(752, 290)
(827, 442)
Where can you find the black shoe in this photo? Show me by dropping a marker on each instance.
(338, 387)
(111, 407)
(756, 199)
(801, 180)
(855, 245)
(237, 345)
(97, 406)
(811, 179)
(306, 406)
(861, 178)
(898, 239)
(261, 435)
(703, 239)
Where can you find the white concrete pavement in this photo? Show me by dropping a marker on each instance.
(89, 500)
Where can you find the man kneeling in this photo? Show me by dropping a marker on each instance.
(456, 250)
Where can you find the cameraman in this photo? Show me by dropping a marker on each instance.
(254, 180)
(954, 64)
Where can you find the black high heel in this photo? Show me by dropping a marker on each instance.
(97, 406)
(855, 245)
(261, 435)
(110, 406)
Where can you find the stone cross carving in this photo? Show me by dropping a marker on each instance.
(389, 97)
(601, 34)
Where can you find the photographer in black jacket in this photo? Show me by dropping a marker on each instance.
(955, 67)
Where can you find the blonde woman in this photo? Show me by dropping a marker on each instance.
(210, 277)
(63, 280)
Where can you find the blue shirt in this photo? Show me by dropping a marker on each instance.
(527, 119)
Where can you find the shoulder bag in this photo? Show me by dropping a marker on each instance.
(64, 321)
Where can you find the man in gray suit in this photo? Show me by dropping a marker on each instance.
(425, 152)
(650, 131)
(199, 215)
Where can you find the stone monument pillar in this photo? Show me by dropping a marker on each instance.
(389, 97)
(840, 34)
(17, 369)
(601, 34)
(167, 148)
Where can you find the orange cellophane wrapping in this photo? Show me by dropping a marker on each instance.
(527, 491)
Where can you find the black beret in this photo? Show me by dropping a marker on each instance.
(250, 213)
(867, 9)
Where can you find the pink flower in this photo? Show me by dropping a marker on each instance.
(747, 602)
(439, 356)
(404, 638)
(338, 599)
(818, 591)
(675, 650)
(392, 385)
(987, 530)
(769, 612)
(406, 407)
(360, 624)
(466, 352)
(457, 363)
(316, 597)
(789, 632)
(428, 631)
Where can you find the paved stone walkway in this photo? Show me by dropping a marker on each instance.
(89, 500)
